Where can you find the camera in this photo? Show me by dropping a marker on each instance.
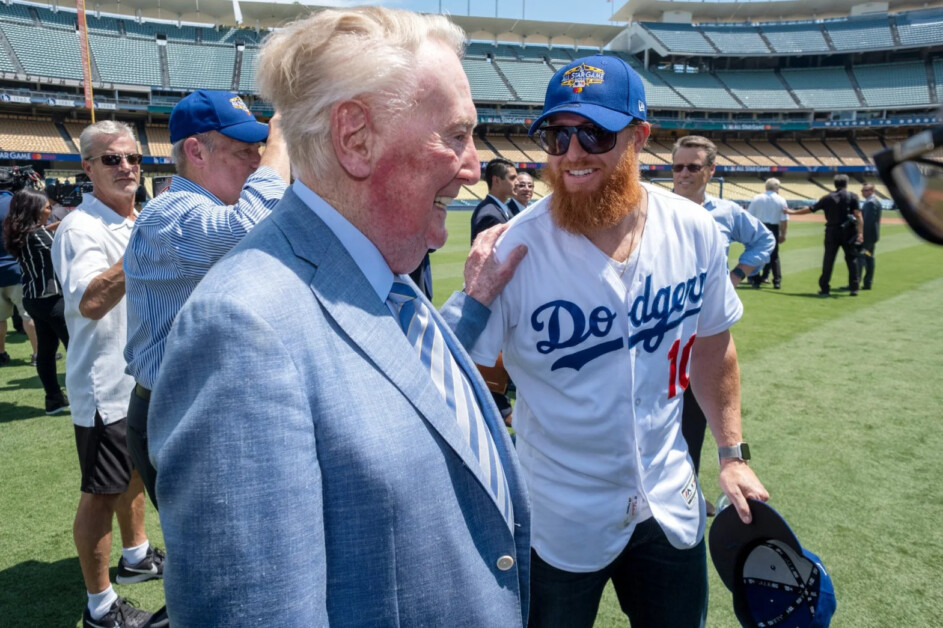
(15, 178)
(68, 194)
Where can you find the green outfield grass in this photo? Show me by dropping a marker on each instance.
(841, 406)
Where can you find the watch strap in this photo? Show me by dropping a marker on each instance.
(740, 451)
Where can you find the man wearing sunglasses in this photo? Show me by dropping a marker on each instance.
(523, 192)
(693, 159)
(623, 296)
(87, 253)
(224, 186)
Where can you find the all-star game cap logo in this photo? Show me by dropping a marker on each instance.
(581, 76)
(237, 103)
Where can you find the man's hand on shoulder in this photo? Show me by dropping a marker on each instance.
(485, 276)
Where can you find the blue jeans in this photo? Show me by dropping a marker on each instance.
(658, 586)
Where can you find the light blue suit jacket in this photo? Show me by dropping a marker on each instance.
(308, 470)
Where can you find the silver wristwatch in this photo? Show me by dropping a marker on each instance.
(740, 451)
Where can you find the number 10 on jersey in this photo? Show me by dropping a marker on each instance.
(678, 368)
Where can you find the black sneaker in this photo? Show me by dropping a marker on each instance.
(120, 615)
(56, 403)
(150, 568)
(4, 358)
(32, 360)
(159, 619)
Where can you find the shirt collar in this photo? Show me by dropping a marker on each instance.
(93, 206)
(498, 201)
(364, 253)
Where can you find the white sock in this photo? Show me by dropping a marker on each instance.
(134, 555)
(99, 603)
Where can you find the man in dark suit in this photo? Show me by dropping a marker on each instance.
(493, 210)
(871, 215)
(326, 451)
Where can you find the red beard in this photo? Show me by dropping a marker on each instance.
(589, 212)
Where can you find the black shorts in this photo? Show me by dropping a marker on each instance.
(103, 456)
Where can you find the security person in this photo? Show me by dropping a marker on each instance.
(844, 229)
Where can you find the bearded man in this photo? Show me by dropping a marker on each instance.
(622, 300)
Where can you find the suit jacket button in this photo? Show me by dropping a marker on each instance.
(505, 563)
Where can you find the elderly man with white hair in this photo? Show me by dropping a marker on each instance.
(770, 209)
(326, 451)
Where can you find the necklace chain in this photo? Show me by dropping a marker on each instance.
(637, 228)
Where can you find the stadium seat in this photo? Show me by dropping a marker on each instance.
(528, 78)
(795, 38)
(825, 89)
(860, 34)
(736, 39)
(31, 135)
(894, 85)
(205, 66)
(679, 38)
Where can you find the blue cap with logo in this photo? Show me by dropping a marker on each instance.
(603, 88)
(774, 581)
(207, 110)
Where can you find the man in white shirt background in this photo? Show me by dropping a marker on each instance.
(770, 208)
(87, 254)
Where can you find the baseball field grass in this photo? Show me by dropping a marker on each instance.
(842, 403)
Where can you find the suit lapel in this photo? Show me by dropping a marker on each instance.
(348, 298)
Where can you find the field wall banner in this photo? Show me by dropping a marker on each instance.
(28, 156)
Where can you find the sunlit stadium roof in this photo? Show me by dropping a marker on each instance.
(759, 10)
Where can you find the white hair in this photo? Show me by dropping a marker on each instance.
(89, 138)
(336, 55)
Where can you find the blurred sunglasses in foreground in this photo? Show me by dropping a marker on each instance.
(913, 173)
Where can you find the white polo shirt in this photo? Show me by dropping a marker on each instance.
(769, 208)
(600, 363)
(88, 242)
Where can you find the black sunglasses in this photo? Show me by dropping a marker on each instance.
(113, 159)
(914, 176)
(555, 140)
(694, 168)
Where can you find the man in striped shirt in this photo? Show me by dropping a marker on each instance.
(223, 188)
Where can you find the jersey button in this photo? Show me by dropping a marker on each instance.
(505, 563)
(638, 401)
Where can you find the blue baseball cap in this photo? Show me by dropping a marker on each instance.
(774, 581)
(602, 88)
(206, 110)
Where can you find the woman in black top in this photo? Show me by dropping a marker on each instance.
(25, 237)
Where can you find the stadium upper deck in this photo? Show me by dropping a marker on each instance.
(800, 94)
(719, 67)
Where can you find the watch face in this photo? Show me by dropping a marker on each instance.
(744, 451)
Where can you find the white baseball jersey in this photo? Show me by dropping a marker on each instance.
(600, 362)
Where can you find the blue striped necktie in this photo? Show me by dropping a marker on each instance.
(436, 355)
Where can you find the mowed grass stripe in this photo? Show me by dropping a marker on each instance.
(845, 435)
(845, 426)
